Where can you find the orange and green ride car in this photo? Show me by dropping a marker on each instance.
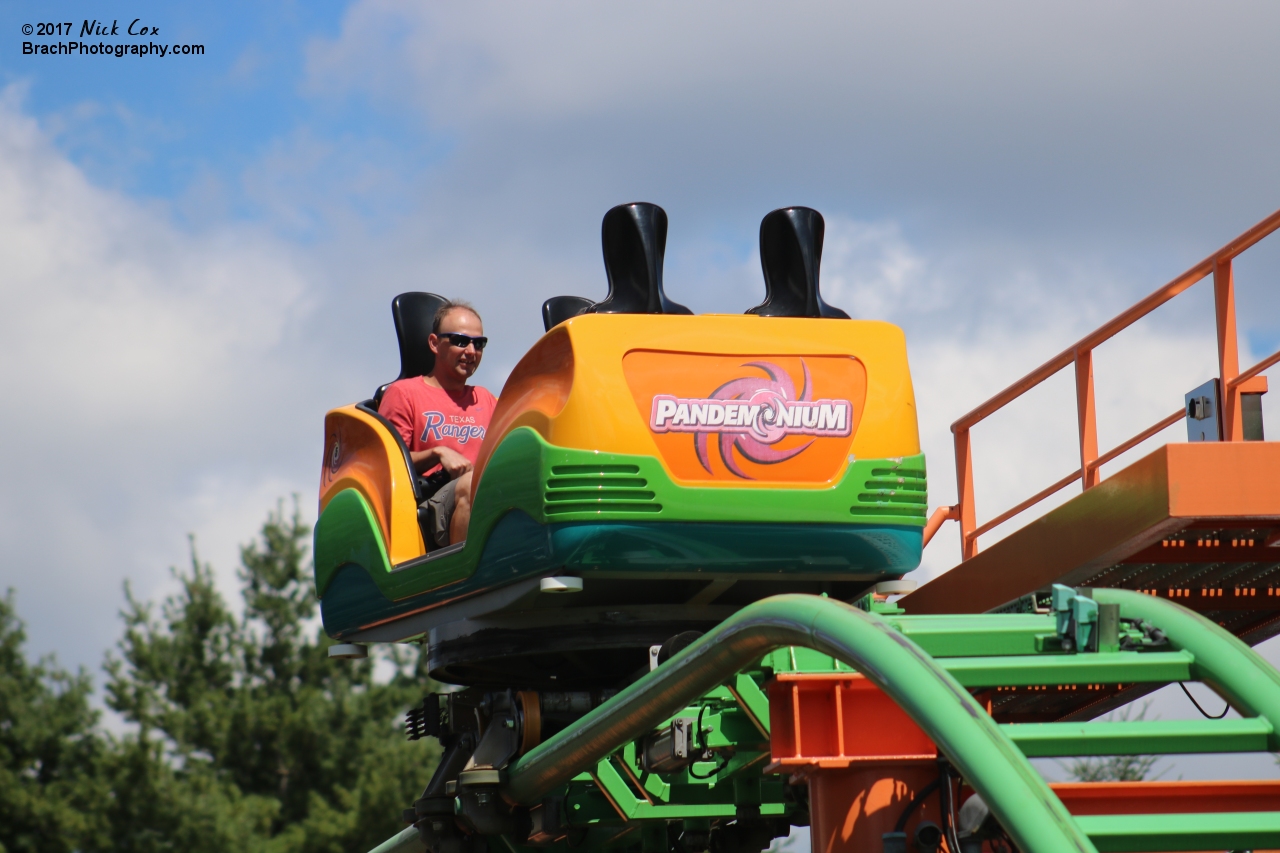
(665, 467)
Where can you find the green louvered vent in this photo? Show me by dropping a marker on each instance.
(598, 488)
(893, 491)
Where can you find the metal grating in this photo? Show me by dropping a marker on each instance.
(598, 488)
(893, 491)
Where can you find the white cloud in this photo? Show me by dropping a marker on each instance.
(557, 59)
(145, 367)
(125, 315)
(872, 271)
(990, 112)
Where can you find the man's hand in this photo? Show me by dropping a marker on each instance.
(453, 462)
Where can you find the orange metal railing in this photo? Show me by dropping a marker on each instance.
(1233, 383)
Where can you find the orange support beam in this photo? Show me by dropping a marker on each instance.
(1224, 304)
(1087, 415)
(837, 720)
(851, 809)
(1090, 798)
(964, 487)
(863, 757)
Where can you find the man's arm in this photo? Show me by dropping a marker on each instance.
(446, 457)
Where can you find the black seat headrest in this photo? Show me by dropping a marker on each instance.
(634, 238)
(557, 309)
(791, 254)
(413, 314)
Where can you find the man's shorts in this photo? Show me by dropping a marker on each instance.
(440, 508)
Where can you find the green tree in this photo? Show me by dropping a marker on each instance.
(50, 755)
(248, 736)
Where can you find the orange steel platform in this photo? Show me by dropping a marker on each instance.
(1197, 523)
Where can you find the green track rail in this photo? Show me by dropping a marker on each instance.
(1140, 737)
(931, 666)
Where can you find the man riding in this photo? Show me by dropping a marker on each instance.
(443, 420)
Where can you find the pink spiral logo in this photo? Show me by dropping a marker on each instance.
(752, 414)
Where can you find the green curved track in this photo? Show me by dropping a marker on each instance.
(929, 665)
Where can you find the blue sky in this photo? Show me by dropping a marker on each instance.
(200, 251)
(151, 125)
(186, 129)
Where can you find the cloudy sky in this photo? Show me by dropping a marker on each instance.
(199, 251)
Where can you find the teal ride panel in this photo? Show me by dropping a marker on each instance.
(520, 548)
(541, 508)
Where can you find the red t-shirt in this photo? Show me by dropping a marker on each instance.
(427, 417)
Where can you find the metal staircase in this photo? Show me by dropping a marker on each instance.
(1196, 522)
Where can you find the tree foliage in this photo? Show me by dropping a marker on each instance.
(244, 735)
(50, 753)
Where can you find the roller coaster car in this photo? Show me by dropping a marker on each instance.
(671, 468)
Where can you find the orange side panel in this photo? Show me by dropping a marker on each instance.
(535, 393)
(1224, 479)
(361, 455)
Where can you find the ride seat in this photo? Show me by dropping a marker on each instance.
(791, 255)
(557, 309)
(413, 313)
(634, 239)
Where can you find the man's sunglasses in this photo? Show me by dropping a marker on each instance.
(462, 341)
